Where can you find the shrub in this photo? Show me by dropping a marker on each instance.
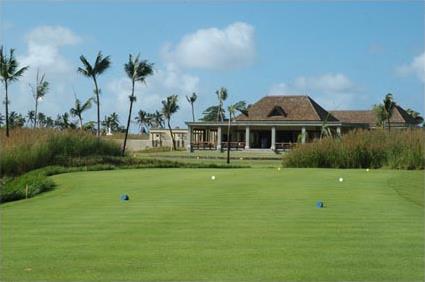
(400, 149)
(28, 149)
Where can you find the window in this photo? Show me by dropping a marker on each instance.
(277, 111)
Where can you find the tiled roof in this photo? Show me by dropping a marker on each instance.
(295, 108)
(368, 117)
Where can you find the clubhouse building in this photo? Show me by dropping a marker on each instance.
(280, 122)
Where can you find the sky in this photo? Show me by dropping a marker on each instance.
(345, 55)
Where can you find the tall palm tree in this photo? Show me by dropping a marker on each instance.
(136, 70)
(169, 107)
(232, 109)
(222, 96)
(144, 120)
(9, 73)
(192, 99)
(93, 71)
(39, 90)
(389, 105)
(79, 108)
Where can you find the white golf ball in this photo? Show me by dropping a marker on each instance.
(213, 177)
(278, 168)
(341, 179)
(367, 169)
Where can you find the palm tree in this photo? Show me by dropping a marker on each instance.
(31, 118)
(112, 122)
(1, 120)
(212, 114)
(79, 108)
(93, 71)
(157, 119)
(389, 105)
(63, 122)
(16, 120)
(9, 73)
(232, 109)
(192, 99)
(136, 70)
(38, 92)
(380, 114)
(222, 96)
(169, 108)
(144, 120)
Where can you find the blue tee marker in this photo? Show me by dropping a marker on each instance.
(124, 197)
(320, 204)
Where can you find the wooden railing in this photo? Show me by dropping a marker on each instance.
(285, 146)
(203, 146)
(233, 145)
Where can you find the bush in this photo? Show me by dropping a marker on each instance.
(28, 149)
(400, 149)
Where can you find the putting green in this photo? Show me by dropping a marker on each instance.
(246, 225)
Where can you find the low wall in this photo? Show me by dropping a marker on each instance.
(135, 145)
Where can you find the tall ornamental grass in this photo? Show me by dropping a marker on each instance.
(28, 149)
(399, 149)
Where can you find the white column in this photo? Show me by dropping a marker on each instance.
(338, 131)
(247, 137)
(219, 139)
(189, 138)
(303, 135)
(273, 147)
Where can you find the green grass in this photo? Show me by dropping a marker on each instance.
(240, 158)
(247, 225)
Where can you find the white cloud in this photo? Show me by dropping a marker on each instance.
(165, 82)
(43, 48)
(332, 91)
(44, 53)
(416, 66)
(213, 48)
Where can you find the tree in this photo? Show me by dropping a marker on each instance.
(9, 73)
(192, 99)
(157, 119)
(380, 114)
(79, 108)
(16, 120)
(137, 70)
(232, 109)
(112, 122)
(212, 114)
(62, 122)
(416, 115)
(169, 108)
(39, 90)
(222, 96)
(1, 120)
(31, 118)
(389, 105)
(93, 71)
(144, 120)
(325, 130)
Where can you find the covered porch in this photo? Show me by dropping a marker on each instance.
(276, 137)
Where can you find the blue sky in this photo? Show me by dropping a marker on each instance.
(344, 55)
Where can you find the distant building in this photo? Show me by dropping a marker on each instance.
(160, 137)
(279, 122)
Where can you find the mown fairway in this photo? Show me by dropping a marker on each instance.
(247, 225)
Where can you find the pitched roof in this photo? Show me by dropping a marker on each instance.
(368, 117)
(296, 108)
(355, 116)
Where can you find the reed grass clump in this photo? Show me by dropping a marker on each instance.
(398, 149)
